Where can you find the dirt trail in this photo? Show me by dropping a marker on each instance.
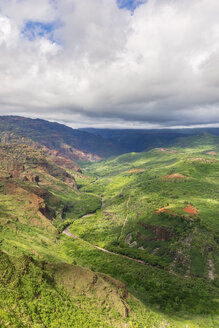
(102, 199)
(66, 230)
(68, 233)
(102, 202)
(126, 218)
(97, 178)
(117, 254)
(211, 270)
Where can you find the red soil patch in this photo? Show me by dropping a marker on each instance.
(166, 150)
(191, 209)
(175, 176)
(163, 209)
(201, 159)
(213, 153)
(136, 170)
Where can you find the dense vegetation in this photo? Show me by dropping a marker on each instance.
(146, 222)
(35, 294)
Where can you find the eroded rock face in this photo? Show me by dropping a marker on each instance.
(75, 154)
(31, 178)
(211, 270)
(62, 161)
(58, 172)
(70, 180)
(27, 163)
(162, 233)
(212, 153)
(66, 154)
(37, 211)
(166, 150)
(46, 211)
(15, 168)
(128, 240)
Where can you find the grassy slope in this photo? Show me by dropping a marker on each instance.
(36, 294)
(184, 301)
(193, 243)
(24, 229)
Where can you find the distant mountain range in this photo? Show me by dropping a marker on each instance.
(135, 140)
(89, 144)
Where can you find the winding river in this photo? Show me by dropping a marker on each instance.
(71, 235)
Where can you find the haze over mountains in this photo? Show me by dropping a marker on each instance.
(90, 143)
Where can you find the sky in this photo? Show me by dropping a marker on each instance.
(102, 63)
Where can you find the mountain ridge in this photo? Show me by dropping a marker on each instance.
(87, 144)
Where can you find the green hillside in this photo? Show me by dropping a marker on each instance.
(37, 294)
(41, 286)
(128, 242)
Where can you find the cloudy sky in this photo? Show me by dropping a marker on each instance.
(104, 63)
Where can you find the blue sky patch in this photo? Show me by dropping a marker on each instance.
(33, 30)
(130, 4)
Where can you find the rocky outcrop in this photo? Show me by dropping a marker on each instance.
(31, 178)
(211, 270)
(10, 164)
(66, 163)
(70, 180)
(161, 233)
(212, 153)
(37, 212)
(128, 240)
(58, 172)
(75, 154)
(27, 162)
(61, 161)
(14, 168)
(46, 211)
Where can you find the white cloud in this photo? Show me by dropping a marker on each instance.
(21, 11)
(157, 67)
